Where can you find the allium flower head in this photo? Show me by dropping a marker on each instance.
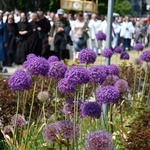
(49, 133)
(110, 80)
(97, 74)
(124, 56)
(113, 70)
(43, 96)
(8, 129)
(122, 85)
(91, 109)
(107, 53)
(108, 94)
(65, 87)
(57, 69)
(137, 62)
(101, 36)
(19, 120)
(117, 49)
(31, 56)
(77, 75)
(68, 108)
(37, 66)
(139, 47)
(87, 56)
(66, 129)
(145, 56)
(98, 140)
(52, 59)
(19, 81)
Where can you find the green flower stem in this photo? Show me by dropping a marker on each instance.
(43, 109)
(42, 84)
(24, 102)
(111, 117)
(134, 88)
(31, 108)
(105, 117)
(15, 128)
(56, 97)
(49, 86)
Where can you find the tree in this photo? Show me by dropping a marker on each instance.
(122, 7)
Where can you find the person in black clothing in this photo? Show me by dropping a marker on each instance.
(12, 31)
(22, 39)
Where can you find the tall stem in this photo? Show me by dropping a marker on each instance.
(56, 96)
(134, 89)
(31, 108)
(24, 102)
(49, 86)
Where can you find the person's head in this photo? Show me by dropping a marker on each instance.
(52, 15)
(22, 16)
(10, 18)
(94, 16)
(127, 18)
(41, 15)
(60, 13)
(116, 18)
(80, 16)
(34, 17)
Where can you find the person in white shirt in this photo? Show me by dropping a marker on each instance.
(127, 31)
(94, 26)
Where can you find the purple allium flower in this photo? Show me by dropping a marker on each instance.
(37, 66)
(101, 36)
(91, 109)
(77, 75)
(31, 56)
(122, 85)
(145, 56)
(8, 129)
(49, 133)
(65, 87)
(117, 49)
(110, 80)
(108, 94)
(139, 47)
(19, 120)
(124, 56)
(87, 56)
(19, 81)
(66, 129)
(137, 62)
(113, 70)
(52, 59)
(43, 96)
(97, 74)
(107, 53)
(98, 140)
(68, 108)
(57, 69)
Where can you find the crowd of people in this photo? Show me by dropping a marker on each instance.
(61, 33)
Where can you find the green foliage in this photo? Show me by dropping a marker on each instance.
(122, 7)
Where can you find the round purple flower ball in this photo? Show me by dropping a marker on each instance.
(87, 56)
(97, 74)
(124, 56)
(118, 49)
(66, 129)
(113, 70)
(98, 140)
(18, 120)
(50, 132)
(138, 62)
(37, 66)
(57, 69)
(145, 56)
(91, 109)
(28, 59)
(68, 108)
(77, 75)
(19, 81)
(101, 36)
(107, 53)
(107, 95)
(65, 87)
(122, 85)
(139, 47)
(110, 80)
(52, 59)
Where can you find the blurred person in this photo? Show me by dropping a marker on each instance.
(94, 27)
(127, 32)
(12, 32)
(3, 40)
(77, 34)
(17, 16)
(60, 34)
(5, 16)
(22, 39)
